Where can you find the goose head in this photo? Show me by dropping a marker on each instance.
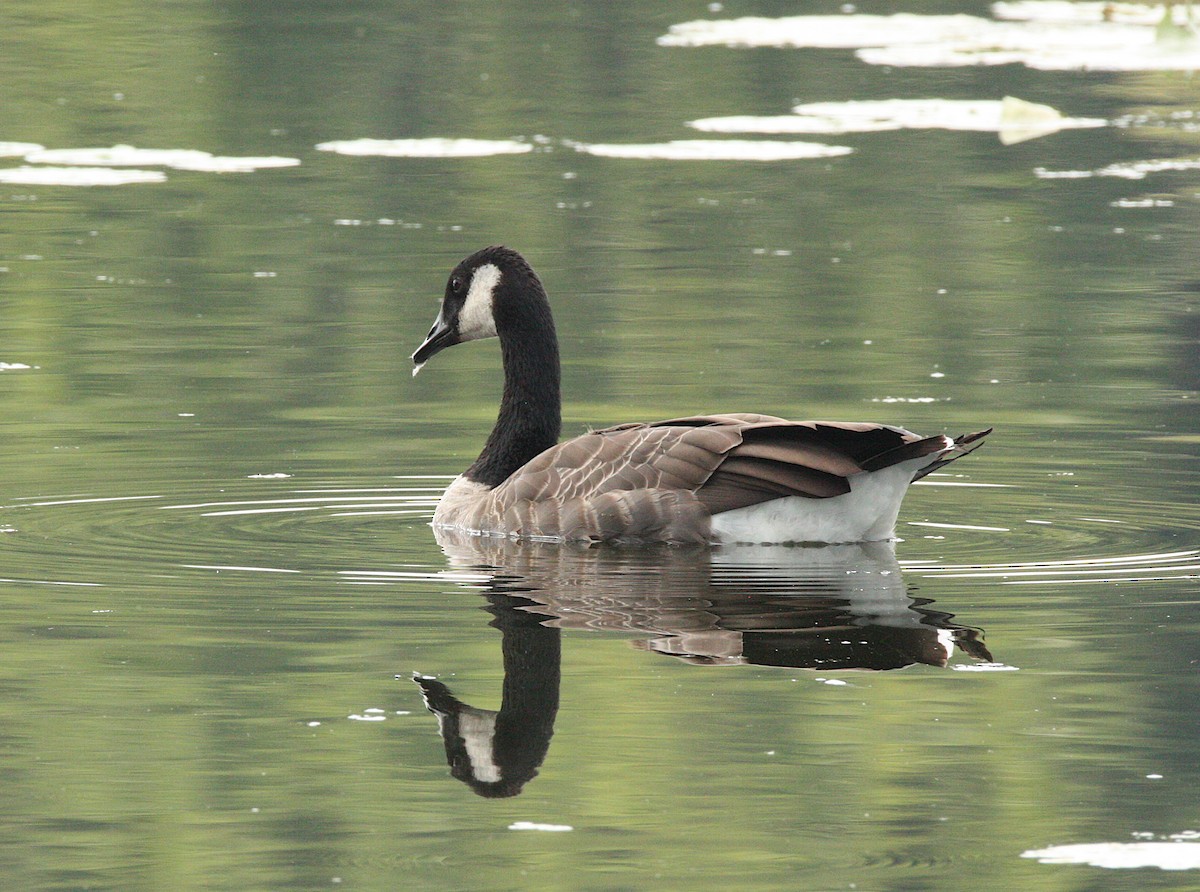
(492, 293)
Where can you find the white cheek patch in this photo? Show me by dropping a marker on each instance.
(475, 320)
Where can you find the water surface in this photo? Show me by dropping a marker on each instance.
(217, 578)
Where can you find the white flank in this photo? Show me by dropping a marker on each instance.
(865, 514)
(475, 320)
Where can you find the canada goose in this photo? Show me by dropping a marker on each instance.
(702, 479)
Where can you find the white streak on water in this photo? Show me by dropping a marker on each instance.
(1127, 569)
(381, 513)
(391, 489)
(1165, 557)
(89, 501)
(1111, 580)
(240, 511)
(331, 499)
(548, 828)
(53, 582)
(957, 526)
(1129, 170)
(244, 569)
(1123, 855)
(983, 667)
(1049, 37)
(715, 150)
(1071, 12)
(436, 147)
(17, 149)
(406, 575)
(78, 176)
(299, 508)
(1009, 117)
(1156, 574)
(176, 159)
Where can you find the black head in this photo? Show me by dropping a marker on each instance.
(483, 292)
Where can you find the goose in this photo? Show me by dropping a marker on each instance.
(705, 479)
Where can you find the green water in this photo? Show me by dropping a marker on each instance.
(217, 472)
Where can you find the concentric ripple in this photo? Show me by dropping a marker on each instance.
(1071, 519)
(1035, 526)
(253, 525)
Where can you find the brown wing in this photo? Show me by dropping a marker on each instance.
(635, 482)
(665, 480)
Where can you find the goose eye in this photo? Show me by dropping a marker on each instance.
(456, 285)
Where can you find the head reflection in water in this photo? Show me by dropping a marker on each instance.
(828, 608)
(497, 753)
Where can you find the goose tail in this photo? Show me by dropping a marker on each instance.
(955, 449)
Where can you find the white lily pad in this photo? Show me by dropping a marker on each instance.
(433, 147)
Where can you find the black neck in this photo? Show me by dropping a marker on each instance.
(530, 416)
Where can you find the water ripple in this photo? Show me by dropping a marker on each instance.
(1111, 569)
(250, 526)
(1025, 527)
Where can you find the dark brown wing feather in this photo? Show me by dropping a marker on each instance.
(787, 458)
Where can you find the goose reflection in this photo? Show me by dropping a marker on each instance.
(828, 608)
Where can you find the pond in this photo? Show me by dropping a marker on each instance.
(238, 657)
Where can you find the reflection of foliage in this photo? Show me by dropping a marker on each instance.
(778, 271)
